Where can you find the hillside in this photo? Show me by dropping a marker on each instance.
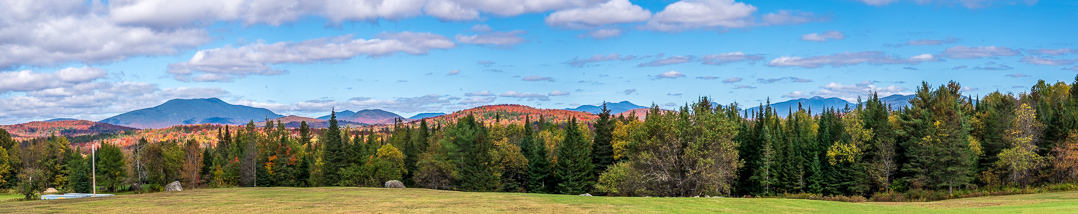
(68, 128)
(897, 101)
(191, 111)
(340, 114)
(425, 115)
(615, 108)
(371, 116)
(513, 113)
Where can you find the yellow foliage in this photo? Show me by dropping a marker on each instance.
(622, 135)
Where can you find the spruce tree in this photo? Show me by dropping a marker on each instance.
(603, 151)
(334, 154)
(540, 177)
(574, 167)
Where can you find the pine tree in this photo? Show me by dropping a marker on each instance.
(540, 177)
(574, 167)
(334, 154)
(603, 151)
(470, 151)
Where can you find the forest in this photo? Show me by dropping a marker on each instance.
(945, 144)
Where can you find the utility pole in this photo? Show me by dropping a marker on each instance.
(93, 160)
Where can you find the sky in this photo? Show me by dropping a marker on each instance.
(96, 59)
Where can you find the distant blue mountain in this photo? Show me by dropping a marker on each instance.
(815, 104)
(425, 115)
(190, 111)
(340, 114)
(897, 101)
(615, 108)
(61, 119)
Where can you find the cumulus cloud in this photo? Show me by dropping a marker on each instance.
(611, 12)
(601, 33)
(578, 62)
(525, 96)
(843, 59)
(693, 14)
(732, 80)
(666, 61)
(258, 58)
(479, 94)
(557, 93)
(1035, 60)
(724, 58)
(81, 93)
(454, 72)
(27, 80)
(964, 52)
(49, 33)
(786, 17)
(823, 37)
(425, 103)
(1054, 52)
(538, 78)
(481, 28)
(502, 40)
(670, 75)
(775, 80)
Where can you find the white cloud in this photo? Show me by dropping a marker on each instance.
(786, 17)
(557, 93)
(611, 12)
(843, 59)
(795, 95)
(732, 80)
(27, 80)
(454, 72)
(963, 52)
(666, 61)
(480, 94)
(1017, 75)
(1054, 52)
(538, 78)
(1035, 60)
(525, 96)
(602, 33)
(629, 91)
(823, 37)
(577, 62)
(670, 75)
(45, 33)
(693, 14)
(720, 59)
(258, 58)
(481, 28)
(496, 39)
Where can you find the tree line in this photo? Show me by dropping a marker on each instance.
(942, 141)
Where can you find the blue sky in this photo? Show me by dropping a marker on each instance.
(92, 60)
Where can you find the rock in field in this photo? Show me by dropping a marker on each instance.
(585, 194)
(50, 191)
(174, 186)
(394, 184)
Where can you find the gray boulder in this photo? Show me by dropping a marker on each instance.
(394, 184)
(173, 187)
(585, 194)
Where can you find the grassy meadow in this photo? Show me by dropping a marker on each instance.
(380, 200)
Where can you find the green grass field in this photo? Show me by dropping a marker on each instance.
(379, 200)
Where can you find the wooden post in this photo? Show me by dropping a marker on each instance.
(93, 160)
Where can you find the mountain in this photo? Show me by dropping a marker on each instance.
(341, 114)
(639, 113)
(191, 111)
(615, 108)
(68, 128)
(425, 115)
(815, 104)
(897, 101)
(370, 116)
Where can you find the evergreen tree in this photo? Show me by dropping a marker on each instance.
(603, 151)
(574, 167)
(540, 176)
(470, 151)
(80, 172)
(334, 154)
